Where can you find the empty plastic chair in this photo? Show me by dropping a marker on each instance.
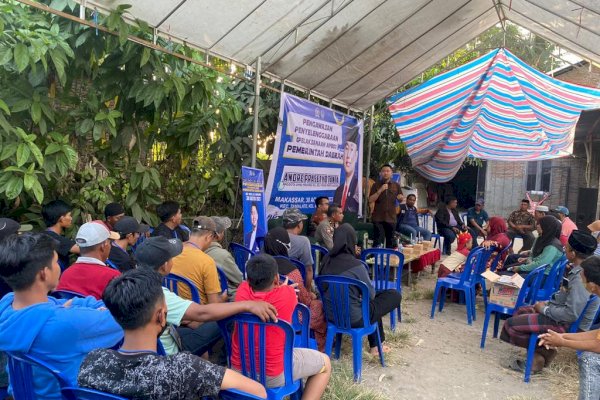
(466, 284)
(172, 281)
(251, 331)
(241, 254)
(336, 292)
(383, 276)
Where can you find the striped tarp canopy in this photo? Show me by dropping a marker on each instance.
(495, 108)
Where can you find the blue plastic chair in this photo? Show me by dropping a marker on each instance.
(500, 256)
(551, 281)
(112, 264)
(502, 312)
(465, 284)
(250, 330)
(318, 252)
(301, 325)
(241, 254)
(234, 394)
(382, 275)
(222, 279)
(66, 294)
(335, 292)
(424, 223)
(483, 260)
(20, 370)
(172, 282)
(297, 264)
(533, 339)
(78, 393)
(463, 216)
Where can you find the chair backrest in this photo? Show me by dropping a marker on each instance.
(21, 368)
(530, 286)
(318, 252)
(298, 264)
(222, 279)
(233, 394)
(471, 265)
(301, 325)
(172, 282)
(241, 254)
(337, 291)
(250, 330)
(500, 256)
(382, 266)
(554, 278)
(463, 215)
(78, 393)
(574, 327)
(66, 294)
(484, 258)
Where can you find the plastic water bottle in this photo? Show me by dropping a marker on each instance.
(412, 239)
(399, 246)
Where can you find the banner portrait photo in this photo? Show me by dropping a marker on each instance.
(253, 203)
(318, 152)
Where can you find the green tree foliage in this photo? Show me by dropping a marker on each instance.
(91, 117)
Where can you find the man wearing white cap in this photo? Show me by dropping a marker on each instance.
(568, 226)
(90, 274)
(594, 228)
(540, 212)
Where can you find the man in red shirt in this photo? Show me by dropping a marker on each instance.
(89, 275)
(263, 284)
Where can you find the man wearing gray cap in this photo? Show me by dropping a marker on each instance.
(222, 257)
(568, 226)
(90, 274)
(293, 222)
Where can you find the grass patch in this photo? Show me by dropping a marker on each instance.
(342, 386)
(418, 294)
(564, 374)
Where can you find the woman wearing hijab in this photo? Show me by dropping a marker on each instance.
(277, 243)
(547, 248)
(498, 238)
(342, 261)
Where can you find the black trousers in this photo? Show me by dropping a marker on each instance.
(383, 303)
(198, 341)
(384, 230)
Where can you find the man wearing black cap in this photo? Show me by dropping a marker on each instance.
(113, 212)
(129, 231)
(157, 254)
(558, 313)
(347, 195)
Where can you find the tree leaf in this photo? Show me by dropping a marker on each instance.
(8, 151)
(36, 112)
(23, 153)
(35, 150)
(28, 180)
(6, 54)
(21, 57)
(146, 180)
(145, 56)
(52, 148)
(86, 126)
(14, 187)
(38, 191)
(4, 107)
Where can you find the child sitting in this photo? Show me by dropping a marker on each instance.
(455, 261)
(263, 284)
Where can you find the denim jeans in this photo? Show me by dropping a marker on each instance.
(589, 376)
(408, 230)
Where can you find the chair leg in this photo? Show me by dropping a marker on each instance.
(473, 295)
(530, 352)
(338, 345)
(496, 324)
(442, 298)
(484, 293)
(468, 300)
(329, 340)
(357, 357)
(486, 321)
(435, 297)
(393, 320)
(400, 313)
(380, 348)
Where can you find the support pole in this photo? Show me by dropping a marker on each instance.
(256, 108)
(368, 172)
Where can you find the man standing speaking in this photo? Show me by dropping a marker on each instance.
(384, 194)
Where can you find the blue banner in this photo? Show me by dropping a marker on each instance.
(253, 203)
(318, 152)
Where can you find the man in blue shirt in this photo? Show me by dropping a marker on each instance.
(408, 219)
(477, 217)
(58, 332)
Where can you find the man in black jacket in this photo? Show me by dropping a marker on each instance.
(449, 223)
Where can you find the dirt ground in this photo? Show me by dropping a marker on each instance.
(441, 358)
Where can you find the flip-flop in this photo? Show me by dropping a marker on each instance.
(517, 365)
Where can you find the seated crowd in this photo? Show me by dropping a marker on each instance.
(121, 307)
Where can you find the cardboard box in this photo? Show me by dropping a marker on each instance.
(504, 289)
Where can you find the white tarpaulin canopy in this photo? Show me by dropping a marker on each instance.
(356, 52)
